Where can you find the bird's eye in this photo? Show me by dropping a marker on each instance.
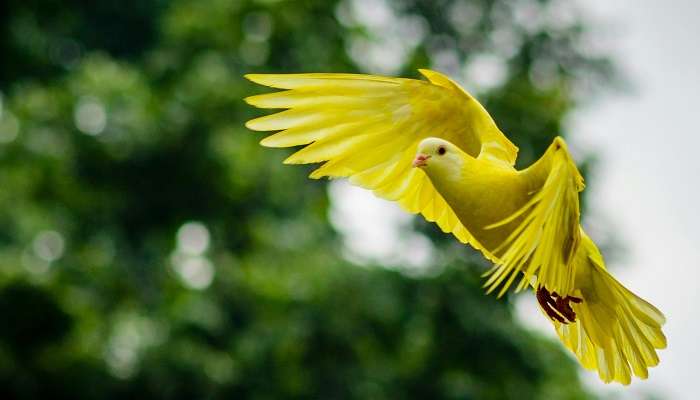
(442, 150)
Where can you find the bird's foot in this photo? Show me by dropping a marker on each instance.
(558, 308)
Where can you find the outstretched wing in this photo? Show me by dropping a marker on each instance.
(544, 243)
(368, 128)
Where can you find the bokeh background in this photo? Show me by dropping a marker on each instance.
(149, 248)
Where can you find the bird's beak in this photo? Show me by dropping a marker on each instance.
(421, 160)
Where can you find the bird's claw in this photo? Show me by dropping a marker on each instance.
(558, 308)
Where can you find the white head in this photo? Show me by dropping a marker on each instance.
(438, 157)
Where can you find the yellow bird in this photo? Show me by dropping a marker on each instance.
(432, 147)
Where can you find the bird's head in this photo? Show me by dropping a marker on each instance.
(437, 156)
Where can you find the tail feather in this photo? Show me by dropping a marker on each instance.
(616, 332)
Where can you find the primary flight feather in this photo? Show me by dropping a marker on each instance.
(432, 147)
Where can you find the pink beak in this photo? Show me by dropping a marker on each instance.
(421, 160)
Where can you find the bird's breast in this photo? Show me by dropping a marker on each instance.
(481, 198)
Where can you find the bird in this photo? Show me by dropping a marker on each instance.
(430, 146)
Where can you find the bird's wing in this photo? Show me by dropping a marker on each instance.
(368, 128)
(544, 242)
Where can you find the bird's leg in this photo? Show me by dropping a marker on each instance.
(557, 307)
(548, 304)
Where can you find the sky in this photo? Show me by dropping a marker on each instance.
(647, 178)
(645, 184)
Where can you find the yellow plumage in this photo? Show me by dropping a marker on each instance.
(369, 129)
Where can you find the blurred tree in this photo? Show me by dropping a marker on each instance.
(151, 249)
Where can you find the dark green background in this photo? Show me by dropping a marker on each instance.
(91, 302)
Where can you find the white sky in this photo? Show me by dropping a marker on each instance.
(645, 184)
(647, 180)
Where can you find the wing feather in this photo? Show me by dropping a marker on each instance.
(543, 244)
(367, 128)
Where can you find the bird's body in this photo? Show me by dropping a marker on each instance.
(482, 192)
(370, 128)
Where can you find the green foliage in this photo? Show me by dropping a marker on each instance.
(120, 126)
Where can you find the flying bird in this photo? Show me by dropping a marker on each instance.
(432, 147)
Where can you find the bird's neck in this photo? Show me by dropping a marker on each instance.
(445, 178)
(481, 193)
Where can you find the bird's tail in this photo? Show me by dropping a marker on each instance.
(615, 331)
